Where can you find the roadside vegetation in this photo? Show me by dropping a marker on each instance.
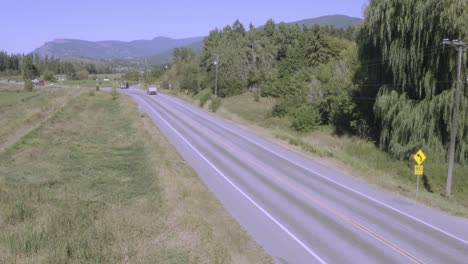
(22, 111)
(99, 183)
(349, 95)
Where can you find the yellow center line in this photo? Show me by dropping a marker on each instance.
(309, 196)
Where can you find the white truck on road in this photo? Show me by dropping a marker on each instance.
(152, 90)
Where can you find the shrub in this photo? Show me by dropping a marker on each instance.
(305, 118)
(256, 96)
(165, 84)
(279, 109)
(215, 104)
(82, 75)
(49, 76)
(204, 95)
(114, 93)
(228, 88)
(28, 85)
(286, 106)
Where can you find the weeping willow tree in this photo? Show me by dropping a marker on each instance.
(412, 75)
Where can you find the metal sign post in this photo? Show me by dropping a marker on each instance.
(419, 157)
(417, 186)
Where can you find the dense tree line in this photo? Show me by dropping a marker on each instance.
(10, 63)
(14, 64)
(146, 75)
(310, 70)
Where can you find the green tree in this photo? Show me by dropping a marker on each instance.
(190, 77)
(183, 55)
(305, 118)
(70, 71)
(49, 75)
(29, 72)
(412, 75)
(4, 61)
(82, 75)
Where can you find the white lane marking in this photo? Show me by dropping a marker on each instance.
(325, 177)
(238, 189)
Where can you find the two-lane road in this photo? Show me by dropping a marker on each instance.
(300, 211)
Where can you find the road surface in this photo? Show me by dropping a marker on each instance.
(298, 210)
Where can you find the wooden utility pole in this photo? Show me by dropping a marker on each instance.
(460, 46)
(216, 78)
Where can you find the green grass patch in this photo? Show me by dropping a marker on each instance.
(203, 97)
(16, 78)
(60, 179)
(21, 111)
(304, 146)
(8, 98)
(248, 108)
(215, 104)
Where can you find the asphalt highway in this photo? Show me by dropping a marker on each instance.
(299, 210)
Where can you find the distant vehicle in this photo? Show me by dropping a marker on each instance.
(38, 82)
(152, 90)
(124, 85)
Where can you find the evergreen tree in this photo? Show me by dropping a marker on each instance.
(29, 72)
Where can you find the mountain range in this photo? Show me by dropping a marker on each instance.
(159, 49)
(112, 49)
(338, 21)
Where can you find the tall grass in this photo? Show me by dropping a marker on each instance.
(203, 97)
(22, 111)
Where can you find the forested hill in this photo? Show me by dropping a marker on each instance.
(337, 21)
(112, 49)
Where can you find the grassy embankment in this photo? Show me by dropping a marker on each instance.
(361, 158)
(99, 183)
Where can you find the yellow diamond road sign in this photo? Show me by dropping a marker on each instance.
(419, 157)
(418, 170)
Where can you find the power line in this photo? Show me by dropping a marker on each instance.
(428, 49)
(395, 85)
(386, 60)
(382, 58)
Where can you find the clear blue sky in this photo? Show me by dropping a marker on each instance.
(27, 24)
